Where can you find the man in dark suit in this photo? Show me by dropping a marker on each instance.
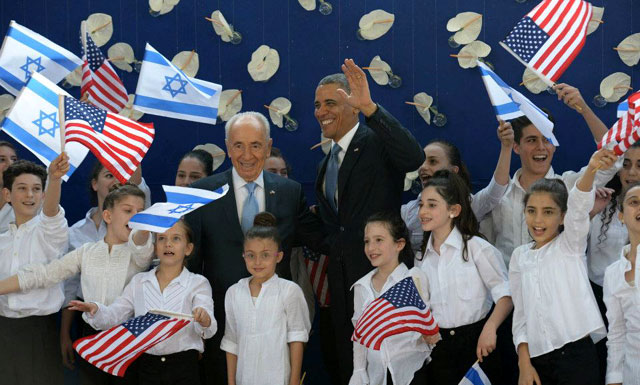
(363, 174)
(219, 227)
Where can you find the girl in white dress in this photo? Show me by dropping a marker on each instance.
(267, 321)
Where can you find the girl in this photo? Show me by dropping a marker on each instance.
(621, 295)
(555, 309)
(401, 357)
(465, 274)
(193, 166)
(106, 265)
(7, 157)
(168, 287)
(276, 163)
(267, 320)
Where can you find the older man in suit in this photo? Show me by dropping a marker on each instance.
(363, 174)
(219, 227)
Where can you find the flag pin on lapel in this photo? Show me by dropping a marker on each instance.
(272, 192)
(356, 149)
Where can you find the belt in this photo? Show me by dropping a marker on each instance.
(170, 358)
(473, 328)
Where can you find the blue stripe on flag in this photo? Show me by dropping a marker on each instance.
(43, 49)
(154, 220)
(473, 376)
(10, 79)
(43, 91)
(156, 58)
(31, 142)
(173, 197)
(206, 90)
(495, 77)
(506, 108)
(177, 107)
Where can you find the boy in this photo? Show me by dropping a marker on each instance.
(7, 157)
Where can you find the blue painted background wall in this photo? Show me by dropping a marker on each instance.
(312, 45)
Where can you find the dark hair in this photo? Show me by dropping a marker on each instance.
(398, 230)
(264, 227)
(95, 172)
(554, 187)
(339, 79)
(276, 153)
(20, 167)
(452, 188)
(4, 143)
(205, 158)
(518, 124)
(118, 191)
(189, 233)
(453, 154)
(623, 194)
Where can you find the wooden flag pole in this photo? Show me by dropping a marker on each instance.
(61, 121)
(171, 314)
(320, 144)
(302, 379)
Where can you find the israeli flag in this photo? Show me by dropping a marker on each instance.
(24, 52)
(475, 376)
(510, 104)
(34, 122)
(180, 201)
(164, 90)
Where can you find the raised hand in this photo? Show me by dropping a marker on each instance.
(571, 97)
(59, 167)
(505, 134)
(360, 97)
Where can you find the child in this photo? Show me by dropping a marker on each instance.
(555, 311)
(106, 266)
(401, 357)
(7, 158)
(267, 320)
(28, 320)
(465, 274)
(168, 287)
(193, 166)
(621, 295)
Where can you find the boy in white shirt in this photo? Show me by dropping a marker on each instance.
(28, 330)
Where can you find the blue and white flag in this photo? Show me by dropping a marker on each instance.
(164, 90)
(180, 201)
(34, 122)
(475, 376)
(510, 104)
(623, 108)
(24, 52)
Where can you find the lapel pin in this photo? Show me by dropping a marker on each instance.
(355, 149)
(272, 192)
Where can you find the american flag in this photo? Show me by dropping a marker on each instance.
(549, 37)
(398, 310)
(119, 143)
(115, 349)
(316, 264)
(100, 83)
(624, 132)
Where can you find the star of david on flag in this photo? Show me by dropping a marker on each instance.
(33, 121)
(24, 52)
(180, 201)
(115, 349)
(164, 90)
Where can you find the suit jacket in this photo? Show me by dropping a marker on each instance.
(370, 179)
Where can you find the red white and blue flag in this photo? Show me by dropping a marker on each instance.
(398, 310)
(115, 349)
(625, 131)
(549, 37)
(119, 143)
(317, 265)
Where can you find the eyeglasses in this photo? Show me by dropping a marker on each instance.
(263, 256)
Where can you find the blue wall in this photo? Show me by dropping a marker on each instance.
(312, 45)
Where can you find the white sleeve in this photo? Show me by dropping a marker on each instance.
(486, 199)
(359, 376)
(601, 179)
(493, 272)
(519, 326)
(147, 193)
(576, 221)
(38, 275)
(53, 234)
(230, 340)
(298, 323)
(617, 333)
(143, 254)
(203, 298)
(119, 311)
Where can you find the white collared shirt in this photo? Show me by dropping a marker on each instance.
(552, 298)
(506, 227)
(183, 294)
(601, 254)
(258, 334)
(402, 354)
(242, 193)
(462, 292)
(40, 240)
(6, 217)
(104, 273)
(623, 312)
(481, 203)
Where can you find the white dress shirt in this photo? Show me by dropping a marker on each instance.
(402, 354)
(40, 240)
(623, 312)
(461, 293)
(506, 227)
(104, 273)
(6, 217)
(242, 193)
(344, 143)
(552, 298)
(601, 254)
(481, 203)
(258, 334)
(183, 295)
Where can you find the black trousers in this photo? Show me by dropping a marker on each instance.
(576, 363)
(328, 345)
(601, 346)
(454, 355)
(419, 377)
(213, 365)
(172, 369)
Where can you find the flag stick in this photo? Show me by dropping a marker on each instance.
(626, 49)
(417, 104)
(320, 144)
(216, 22)
(61, 121)
(100, 27)
(170, 313)
(303, 376)
(231, 99)
(186, 64)
(463, 56)
(468, 23)
(383, 21)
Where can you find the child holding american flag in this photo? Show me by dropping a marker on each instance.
(393, 324)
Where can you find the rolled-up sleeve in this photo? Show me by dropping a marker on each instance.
(298, 323)
(493, 271)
